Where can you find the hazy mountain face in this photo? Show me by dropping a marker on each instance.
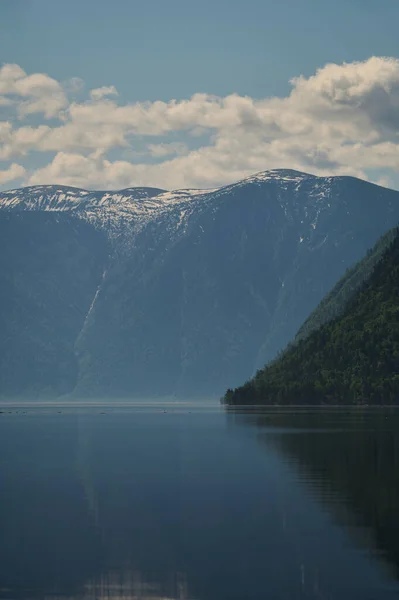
(187, 292)
(50, 267)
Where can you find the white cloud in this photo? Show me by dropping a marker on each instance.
(17, 142)
(43, 93)
(342, 120)
(9, 77)
(106, 90)
(349, 83)
(13, 172)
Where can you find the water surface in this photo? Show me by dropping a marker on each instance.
(179, 501)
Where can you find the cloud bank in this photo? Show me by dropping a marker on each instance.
(344, 119)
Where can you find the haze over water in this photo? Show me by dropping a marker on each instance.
(187, 501)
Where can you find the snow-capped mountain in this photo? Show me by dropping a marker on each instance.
(117, 212)
(132, 208)
(65, 198)
(210, 286)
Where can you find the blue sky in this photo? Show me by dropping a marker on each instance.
(157, 50)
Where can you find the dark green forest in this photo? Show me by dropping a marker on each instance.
(333, 305)
(352, 359)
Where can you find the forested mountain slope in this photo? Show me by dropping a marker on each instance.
(353, 359)
(335, 302)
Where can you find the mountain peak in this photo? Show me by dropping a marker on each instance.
(279, 174)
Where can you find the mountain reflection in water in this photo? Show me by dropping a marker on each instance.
(349, 461)
(125, 503)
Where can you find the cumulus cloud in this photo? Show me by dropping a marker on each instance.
(21, 141)
(40, 93)
(344, 119)
(13, 172)
(106, 90)
(350, 84)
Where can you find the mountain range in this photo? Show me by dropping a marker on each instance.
(147, 293)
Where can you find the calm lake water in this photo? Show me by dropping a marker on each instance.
(134, 502)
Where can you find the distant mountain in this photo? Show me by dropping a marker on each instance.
(50, 268)
(119, 213)
(195, 289)
(350, 359)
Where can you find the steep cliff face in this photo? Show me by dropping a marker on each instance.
(201, 288)
(50, 268)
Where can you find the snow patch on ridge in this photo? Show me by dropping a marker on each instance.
(122, 213)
